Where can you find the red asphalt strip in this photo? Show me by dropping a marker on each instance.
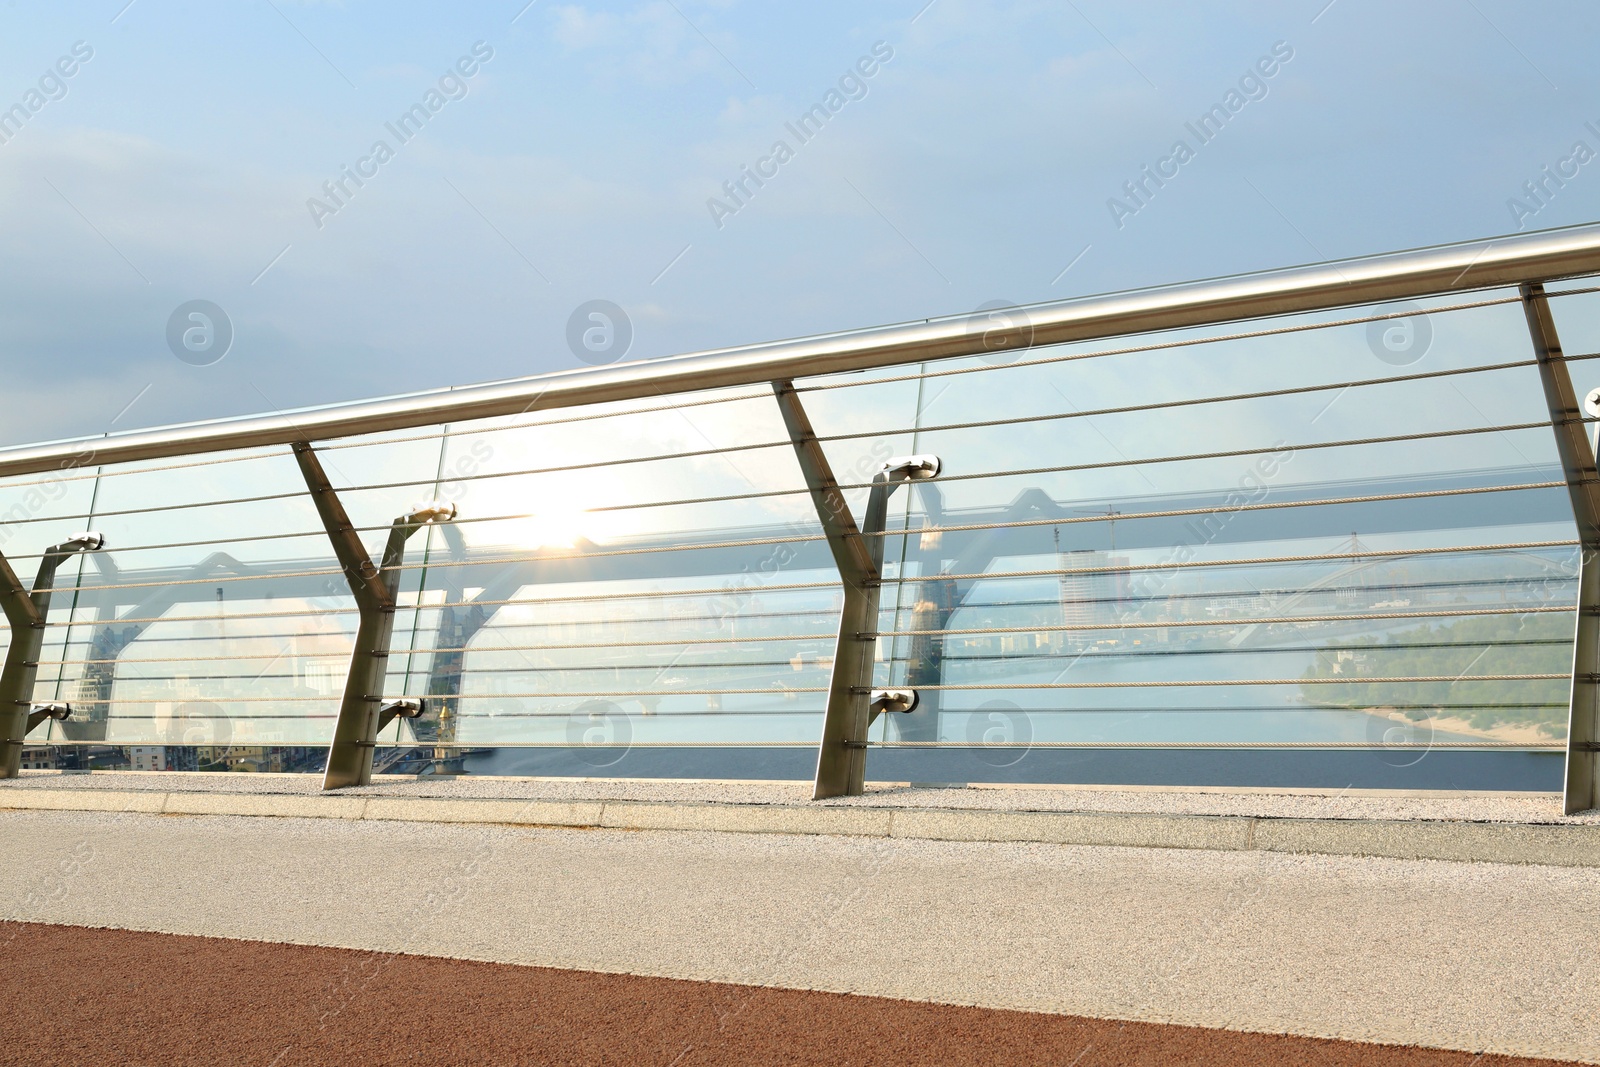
(76, 995)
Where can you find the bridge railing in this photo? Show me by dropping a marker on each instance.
(1322, 527)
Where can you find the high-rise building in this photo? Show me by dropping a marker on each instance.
(1093, 588)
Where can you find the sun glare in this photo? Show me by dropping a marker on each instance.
(553, 529)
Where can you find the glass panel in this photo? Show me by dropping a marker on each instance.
(1212, 537)
(36, 512)
(217, 616)
(1054, 586)
(680, 594)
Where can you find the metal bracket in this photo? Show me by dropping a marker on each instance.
(403, 708)
(858, 553)
(914, 468)
(362, 711)
(1582, 787)
(901, 701)
(40, 712)
(26, 612)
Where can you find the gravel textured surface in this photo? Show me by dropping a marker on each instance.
(1476, 957)
(1494, 807)
(152, 998)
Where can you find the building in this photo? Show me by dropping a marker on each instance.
(38, 758)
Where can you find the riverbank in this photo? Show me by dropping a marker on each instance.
(1514, 733)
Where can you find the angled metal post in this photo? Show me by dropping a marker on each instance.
(852, 704)
(376, 589)
(26, 612)
(1582, 787)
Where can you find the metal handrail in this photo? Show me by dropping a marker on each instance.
(1541, 256)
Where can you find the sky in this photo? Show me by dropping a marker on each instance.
(561, 153)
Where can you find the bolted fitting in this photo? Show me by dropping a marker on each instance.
(400, 708)
(901, 700)
(404, 707)
(912, 468)
(431, 511)
(38, 713)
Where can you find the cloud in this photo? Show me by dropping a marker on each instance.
(653, 44)
(578, 28)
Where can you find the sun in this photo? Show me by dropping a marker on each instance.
(552, 528)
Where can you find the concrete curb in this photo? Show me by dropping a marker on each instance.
(1471, 842)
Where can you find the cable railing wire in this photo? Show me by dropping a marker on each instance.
(998, 687)
(114, 472)
(458, 434)
(1552, 294)
(1021, 660)
(1166, 405)
(800, 491)
(570, 467)
(1270, 505)
(1248, 594)
(1154, 347)
(1284, 620)
(1042, 572)
(1251, 561)
(527, 557)
(800, 538)
(909, 578)
(1230, 454)
(761, 494)
(697, 713)
(1440, 613)
(1203, 683)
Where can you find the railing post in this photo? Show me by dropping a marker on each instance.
(852, 705)
(26, 612)
(362, 712)
(1582, 786)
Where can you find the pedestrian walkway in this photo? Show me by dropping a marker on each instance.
(1476, 957)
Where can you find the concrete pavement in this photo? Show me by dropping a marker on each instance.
(1473, 956)
(1500, 829)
